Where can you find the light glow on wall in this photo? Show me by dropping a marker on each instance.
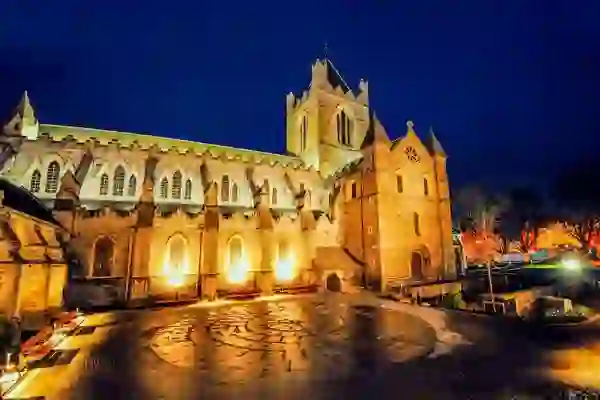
(238, 264)
(176, 262)
(238, 271)
(285, 269)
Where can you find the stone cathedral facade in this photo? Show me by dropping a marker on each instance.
(153, 217)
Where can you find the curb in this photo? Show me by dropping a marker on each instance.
(40, 345)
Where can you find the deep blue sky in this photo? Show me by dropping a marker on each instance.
(512, 87)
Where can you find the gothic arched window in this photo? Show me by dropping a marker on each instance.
(187, 193)
(303, 132)
(344, 128)
(234, 193)
(274, 196)
(237, 267)
(132, 186)
(119, 181)
(235, 252)
(417, 224)
(177, 260)
(225, 188)
(164, 188)
(425, 187)
(52, 177)
(104, 185)
(284, 269)
(103, 257)
(176, 188)
(266, 188)
(36, 181)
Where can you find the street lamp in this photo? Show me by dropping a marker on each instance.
(572, 264)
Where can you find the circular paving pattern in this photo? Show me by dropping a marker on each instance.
(320, 339)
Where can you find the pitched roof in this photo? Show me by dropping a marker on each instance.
(20, 199)
(434, 144)
(375, 133)
(335, 78)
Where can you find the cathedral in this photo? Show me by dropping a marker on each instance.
(156, 219)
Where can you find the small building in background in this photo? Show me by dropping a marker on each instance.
(33, 269)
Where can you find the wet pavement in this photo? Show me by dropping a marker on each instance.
(322, 347)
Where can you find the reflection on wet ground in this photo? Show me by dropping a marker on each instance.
(323, 347)
(313, 340)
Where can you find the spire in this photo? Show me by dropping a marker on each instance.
(434, 144)
(25, 109)
(376, 133)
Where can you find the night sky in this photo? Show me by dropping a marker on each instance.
(511, 87)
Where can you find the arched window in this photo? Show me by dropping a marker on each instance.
(119, 181)
(303, 132)
(266, 188)
(237, 268)
(399, 184)
(176, 188)
(103, 257)
(225, 188)
(425, 187)
(274, 196)
(132, 186)
(344, 128)
(416, 224)
(164, 188)
(177, 254)
(234, 192)
(187, 193)
(285, 267)
(52, 177)
(36, 181)
(104, 185)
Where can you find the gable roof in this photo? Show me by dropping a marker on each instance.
(20, 199)
(335, 78)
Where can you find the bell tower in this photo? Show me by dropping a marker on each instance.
(328, 122)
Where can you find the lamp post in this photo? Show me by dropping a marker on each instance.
(491, 285)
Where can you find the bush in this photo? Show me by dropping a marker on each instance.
(453, 301)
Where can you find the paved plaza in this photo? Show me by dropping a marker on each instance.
(323, 347)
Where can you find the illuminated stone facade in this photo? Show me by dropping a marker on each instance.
(33, 270)
(152, 215)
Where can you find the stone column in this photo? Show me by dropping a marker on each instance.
(307, 223)
(210, 245)
(265, 277)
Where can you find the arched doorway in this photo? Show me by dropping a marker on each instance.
(103, 257)
(333, 283)
(416, 265)
(420, 261)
